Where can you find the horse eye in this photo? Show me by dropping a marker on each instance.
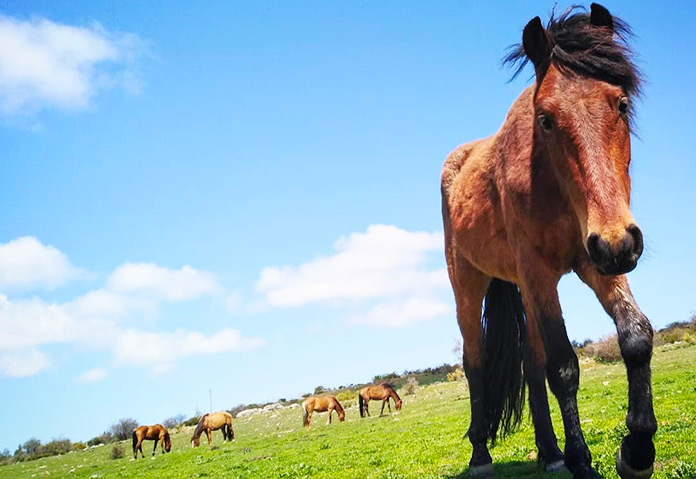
(623, 106)
(546, 122)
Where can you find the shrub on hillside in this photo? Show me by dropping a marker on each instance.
(117, 451)
(410, 387)
(605, 350)
(78, 446)
(456, 375)
(192, 421)
(104, 438)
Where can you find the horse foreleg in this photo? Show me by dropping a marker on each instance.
(544, 310)
(389, 405)
(328, 421)
(381, 413)
(154, 449)
(636, 455)
(534, 372)
(210, 436)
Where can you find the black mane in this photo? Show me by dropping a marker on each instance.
(587, 50)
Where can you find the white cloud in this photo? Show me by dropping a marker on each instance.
(384, 261)
(48, 64)
(397, 314)
(94, 321)
(22, 363)
(102, 303)
(26, 263)
(29, 323)
(164, 283)
(91, 376)
(160, 350)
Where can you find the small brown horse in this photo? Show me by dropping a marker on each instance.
(546, 195)
(382, 391)
(152, 433)
(213, 422)
(321, 404)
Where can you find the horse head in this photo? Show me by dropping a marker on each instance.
(585, 87)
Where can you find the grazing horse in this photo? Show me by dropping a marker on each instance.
(546, 195)
(213, 422)
(381, 391)
(321, 404)
(157, 433)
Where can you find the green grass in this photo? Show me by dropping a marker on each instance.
(424, 440)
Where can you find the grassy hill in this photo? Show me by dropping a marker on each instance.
(424, 440)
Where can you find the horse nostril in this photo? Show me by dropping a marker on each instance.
(637, 237)
(598, 248)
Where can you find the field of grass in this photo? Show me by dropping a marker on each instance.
(424, 440)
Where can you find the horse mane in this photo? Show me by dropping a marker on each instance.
(200, 426)
(596, 52)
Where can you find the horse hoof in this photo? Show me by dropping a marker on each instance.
(555, 466)
(481, 472)
(627, 472)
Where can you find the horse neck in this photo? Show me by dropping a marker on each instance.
(199, 427)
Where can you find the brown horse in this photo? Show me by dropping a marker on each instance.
(546, 195)
(321, 404)
(152, 433)
(382, 391)
(213, 422)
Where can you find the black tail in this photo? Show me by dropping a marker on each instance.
(503, 336)
(135, 443)
(361, 405)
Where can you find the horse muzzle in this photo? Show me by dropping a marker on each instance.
(618, 258)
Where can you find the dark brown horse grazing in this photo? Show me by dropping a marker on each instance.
(546, 195)
(321, 404)
(213, 422)
(383, 392)
(152, 433)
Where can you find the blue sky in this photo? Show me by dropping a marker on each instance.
(244, 197)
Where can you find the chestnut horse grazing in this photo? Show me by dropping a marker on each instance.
(321, 404)
(213, 422)
(382, 391)
(546, 195)
(152, 433)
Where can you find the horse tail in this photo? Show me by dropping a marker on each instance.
(361, 403)
(135, 441)
(305, 416)
(503, 336)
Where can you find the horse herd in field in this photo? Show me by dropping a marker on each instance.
(223, 420)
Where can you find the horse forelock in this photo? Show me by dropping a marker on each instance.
(587, 50)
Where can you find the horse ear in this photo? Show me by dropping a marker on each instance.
(536, 42)
(600, 17)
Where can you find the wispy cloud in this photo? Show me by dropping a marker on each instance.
(21, 363)
(47, 64)
(164, 283)
(385, 269)
(159, 350)
(26, 263)
(93, 375)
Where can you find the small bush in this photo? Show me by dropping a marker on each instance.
(117, 451)
(605, 350)
(410, 387)
(455, 375)
(78, 446)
